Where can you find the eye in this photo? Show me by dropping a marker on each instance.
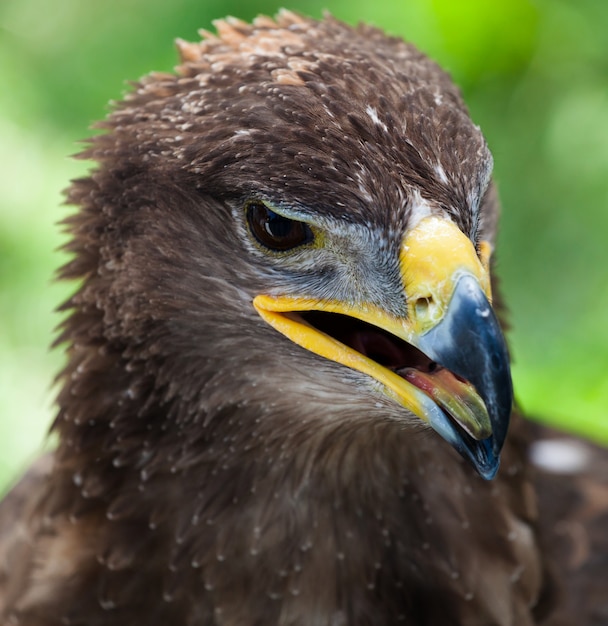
(275, 231)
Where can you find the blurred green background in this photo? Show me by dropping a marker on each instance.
(535, 75)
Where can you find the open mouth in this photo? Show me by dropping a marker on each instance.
(454, 395)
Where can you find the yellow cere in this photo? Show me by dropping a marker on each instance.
(433, 256)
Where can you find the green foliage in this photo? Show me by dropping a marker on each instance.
(535, 76)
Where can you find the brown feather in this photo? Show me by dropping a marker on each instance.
(573, 503)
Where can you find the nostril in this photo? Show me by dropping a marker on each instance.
(422, 306)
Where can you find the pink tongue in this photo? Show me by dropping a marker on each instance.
(455, 396)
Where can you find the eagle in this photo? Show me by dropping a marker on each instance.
(287, 394)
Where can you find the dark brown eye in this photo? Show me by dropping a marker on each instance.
(275, 231)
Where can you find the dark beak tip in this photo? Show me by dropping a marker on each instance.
(480, 454)
(489, 473)
(470, 343)
(488, 459)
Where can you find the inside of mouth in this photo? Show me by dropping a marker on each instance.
(371, 341)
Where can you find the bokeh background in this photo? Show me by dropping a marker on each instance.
(535, 76)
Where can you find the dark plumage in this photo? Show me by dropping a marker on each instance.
(213, 467)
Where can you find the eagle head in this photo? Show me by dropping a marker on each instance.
(296, 226)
